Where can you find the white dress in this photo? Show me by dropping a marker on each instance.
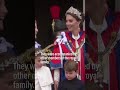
(43, 78)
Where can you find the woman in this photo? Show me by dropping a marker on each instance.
(71, 43)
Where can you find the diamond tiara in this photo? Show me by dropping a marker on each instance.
(74, 11)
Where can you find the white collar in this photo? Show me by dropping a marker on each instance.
(76, 37)
(98, 28)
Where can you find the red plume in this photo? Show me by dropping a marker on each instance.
(55, 11)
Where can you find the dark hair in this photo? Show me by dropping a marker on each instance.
(70, 65)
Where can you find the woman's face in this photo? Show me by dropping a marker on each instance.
(72, 23)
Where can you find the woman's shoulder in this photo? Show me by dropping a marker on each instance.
(68, 33)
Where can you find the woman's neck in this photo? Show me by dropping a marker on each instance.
(76, 32)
